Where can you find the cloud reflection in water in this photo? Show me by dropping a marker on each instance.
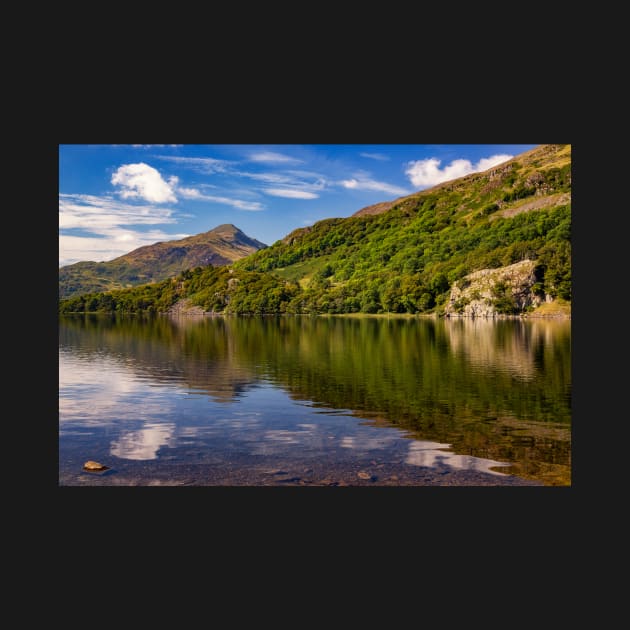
(432, 455)
(100, 390)
(368, 442)
(144, 443)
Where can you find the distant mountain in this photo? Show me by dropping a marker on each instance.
(497, 242)
(221, 246)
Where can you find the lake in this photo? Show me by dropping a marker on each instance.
(314, 401)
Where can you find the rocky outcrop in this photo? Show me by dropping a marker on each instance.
(493, 292)
(538, 203)
(185, 307)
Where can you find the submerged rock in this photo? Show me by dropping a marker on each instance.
(92, 466)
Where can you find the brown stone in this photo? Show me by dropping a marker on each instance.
(92, 466)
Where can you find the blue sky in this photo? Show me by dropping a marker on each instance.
(115, 198)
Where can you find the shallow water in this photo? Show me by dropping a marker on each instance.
(314, 401)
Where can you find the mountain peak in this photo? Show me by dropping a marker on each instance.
(226, 227)
(222, 245)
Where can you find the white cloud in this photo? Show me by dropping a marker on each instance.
(190, 193)
(486, 163)
(314, 181)
(269, 178)
(253, 206)
(290, 193)
(148, 146)
(74, 249)
(273, 158)
(144, 182)
(364, 183)
(202, 165)
(194, 193)
(301, 179)
(423, 173)
(290, 184)
(111, 244)
(93, 213)
(106, 222)
(376, 156)
(427, 172)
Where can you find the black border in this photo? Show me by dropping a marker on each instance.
(429, 518)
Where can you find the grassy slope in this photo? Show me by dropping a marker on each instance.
(453, 229)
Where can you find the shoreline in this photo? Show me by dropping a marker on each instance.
(195, 313)
(269, 475)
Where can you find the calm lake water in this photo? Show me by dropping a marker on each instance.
(314, 401)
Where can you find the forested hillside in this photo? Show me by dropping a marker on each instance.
(399, 257)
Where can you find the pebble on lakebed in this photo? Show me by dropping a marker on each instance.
(92, 466)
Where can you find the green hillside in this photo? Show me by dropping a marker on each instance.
(219, 246)
(401, 257)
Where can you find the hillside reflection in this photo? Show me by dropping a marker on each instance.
(495, 390)
(203, 358)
